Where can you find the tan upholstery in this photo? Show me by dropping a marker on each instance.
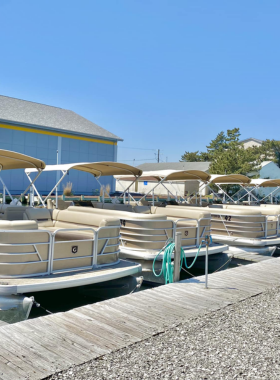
(18, 225)
(8, 212)
(17, 260)
(240, 221)
(41, 215)
(177, 212)
(50, 204)
(63, 205)
(150, 231)
(141, 209)
(268, 210)
(58, 221)
(116, 213)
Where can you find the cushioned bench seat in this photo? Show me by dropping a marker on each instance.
(239, 221)
(150, 231)
(66, 245)
(30, 257)
(8, 212)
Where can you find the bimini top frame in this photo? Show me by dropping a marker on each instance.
(97, 169)
(13, 160)
(228, 179)
(249, 185)
(169, 176)
(260, 182)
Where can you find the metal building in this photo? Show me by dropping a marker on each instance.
(182, 187)
(54, 135)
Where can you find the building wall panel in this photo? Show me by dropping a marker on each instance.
(45, 147)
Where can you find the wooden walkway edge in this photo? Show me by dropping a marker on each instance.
(37, 348)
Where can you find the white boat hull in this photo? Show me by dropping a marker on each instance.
(14, 308)
(260, 250)
(246, 242)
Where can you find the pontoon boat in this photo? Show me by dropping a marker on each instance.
(43, 249)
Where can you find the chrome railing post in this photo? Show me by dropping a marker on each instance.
(94, 250)
(198, 233)
(174, 227)
(50, 254)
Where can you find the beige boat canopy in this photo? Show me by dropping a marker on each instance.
(14, 160)
(260, 182)
(170, 175)
(98, 169)
(228, 179)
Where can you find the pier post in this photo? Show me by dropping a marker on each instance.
(207, 242)
(177, 256)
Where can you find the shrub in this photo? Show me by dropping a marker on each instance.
(67, 189)
(105, 190)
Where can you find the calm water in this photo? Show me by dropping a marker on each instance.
(67, 299)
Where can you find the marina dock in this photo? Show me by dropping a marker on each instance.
(35, 349)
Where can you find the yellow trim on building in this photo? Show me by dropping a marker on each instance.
(42, 132)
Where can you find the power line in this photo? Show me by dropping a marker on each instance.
(143, 159)
(126, 147)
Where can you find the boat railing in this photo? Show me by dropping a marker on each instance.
(149, 221)
(198, 225)
(265, 228)
(36, 252)
(170, 226)
(106, 244)
(93, 256)
(271, 229)
(95, 239)
(52, 243)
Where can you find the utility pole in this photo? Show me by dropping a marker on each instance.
(158, 155)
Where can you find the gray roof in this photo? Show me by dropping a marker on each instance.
(251, 139)
(22, 112)
(204, 166)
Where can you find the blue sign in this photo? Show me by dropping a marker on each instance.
(145, 183)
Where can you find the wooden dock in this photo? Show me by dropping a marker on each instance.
(37, 348)
(251, 257)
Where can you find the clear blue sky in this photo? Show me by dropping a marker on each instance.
(166, 74)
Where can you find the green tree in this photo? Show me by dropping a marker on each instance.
(269, 151)
(227, 155)
(194, 156)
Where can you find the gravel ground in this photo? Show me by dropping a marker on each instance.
(241, 341)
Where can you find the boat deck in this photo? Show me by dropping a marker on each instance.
(37, 348)
(68, 280)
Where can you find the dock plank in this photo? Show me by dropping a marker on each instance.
(37, 348)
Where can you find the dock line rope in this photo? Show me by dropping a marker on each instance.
(167, 267)
(36, 304)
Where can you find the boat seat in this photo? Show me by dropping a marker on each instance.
(53, 220)
(117, 214)
(142, 209)
(14, 212)
(18, 225)
(262, 210)
(112, 206)
(43, 216)
(178, 212)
